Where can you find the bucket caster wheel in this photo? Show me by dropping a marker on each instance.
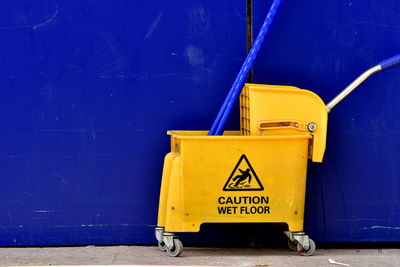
(173, 246)
(292, 245)
(162, 246)
(158, 231)
(306, 252)
(176, 250)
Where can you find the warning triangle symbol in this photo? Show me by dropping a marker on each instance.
(243, 177)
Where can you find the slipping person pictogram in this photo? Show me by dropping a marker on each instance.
(245, 174)
(241, 178)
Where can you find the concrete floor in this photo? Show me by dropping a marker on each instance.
(145, 256)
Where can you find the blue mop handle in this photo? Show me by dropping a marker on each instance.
(390, 62)
(223, 114)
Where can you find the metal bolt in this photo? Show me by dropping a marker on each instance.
(312, 127)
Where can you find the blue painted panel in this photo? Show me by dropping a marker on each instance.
(88, 89)
(87, 92)
(322, 46)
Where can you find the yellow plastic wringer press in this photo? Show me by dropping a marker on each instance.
(255, 175)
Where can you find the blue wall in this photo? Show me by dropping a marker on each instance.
(89, 88)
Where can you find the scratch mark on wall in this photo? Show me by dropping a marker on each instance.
(10, 217)
(36, 26)
(381, 227)
(194, 55)
(103, 225)
(45, 211)
(153, 26)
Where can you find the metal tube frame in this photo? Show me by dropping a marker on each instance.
(350, 88)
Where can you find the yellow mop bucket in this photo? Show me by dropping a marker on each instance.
(257, 174)
(260, 177)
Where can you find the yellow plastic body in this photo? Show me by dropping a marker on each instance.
(200, 181)
(285, 106)
(199, 166)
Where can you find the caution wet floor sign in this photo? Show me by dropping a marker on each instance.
(243, 178)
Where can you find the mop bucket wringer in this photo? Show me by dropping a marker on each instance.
(255, 175)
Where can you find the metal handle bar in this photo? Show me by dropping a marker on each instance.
(383, 65)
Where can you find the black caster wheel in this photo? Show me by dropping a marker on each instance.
(176, 250)
(292, 245)
(310, 251)
(162, 246)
